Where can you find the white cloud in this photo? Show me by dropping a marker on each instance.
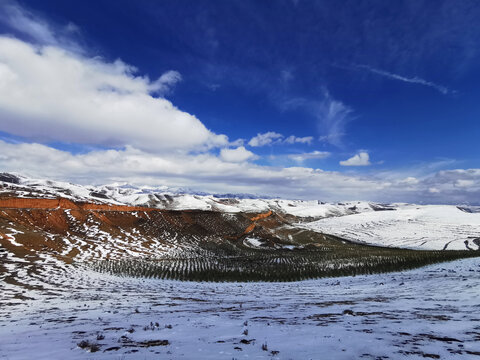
(334, 116)
(414, 80)
(206, 172)
(292, 139)
(360, 159)
(410, 181)
(27, 23)
(450, 182)
(265, 139)
(50, 94)
(165, 82)
(272, 137)
(462, 183)
(308, 156)
(237, 143)
(239, 154)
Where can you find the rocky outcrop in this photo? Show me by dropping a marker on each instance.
(65, 204)
(261, 216)
(9, 178)
(254, 219)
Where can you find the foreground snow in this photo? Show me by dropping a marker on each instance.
(426, 313)
(410, 226)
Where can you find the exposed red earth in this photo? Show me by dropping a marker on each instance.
(71, 230)
(65, 204)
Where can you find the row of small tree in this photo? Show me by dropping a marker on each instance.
(224, 262)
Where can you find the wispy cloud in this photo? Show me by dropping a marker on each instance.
(292, 139)
(413, 80)
(38, 30)
(272, 137)
(165, 82)
(332, 116)
(309, 156)
(23, 21)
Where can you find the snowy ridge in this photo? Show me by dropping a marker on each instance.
(174, 199)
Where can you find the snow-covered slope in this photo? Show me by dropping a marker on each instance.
(411, 226)
(428, 313)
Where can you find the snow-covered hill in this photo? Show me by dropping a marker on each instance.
(410, 226)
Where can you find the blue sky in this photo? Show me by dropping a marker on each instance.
(366, 100)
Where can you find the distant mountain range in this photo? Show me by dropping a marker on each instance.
(177, 199)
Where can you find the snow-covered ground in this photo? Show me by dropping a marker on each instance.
(410, 226)
(430, 312)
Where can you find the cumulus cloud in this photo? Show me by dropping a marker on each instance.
(360, 159)
(453, 186)
(451, 183)
(310, 155)
(239, 154)
(265, 139)
(50, 94)
(204, 172)
(207, 172)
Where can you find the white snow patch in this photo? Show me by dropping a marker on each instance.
(410, 226)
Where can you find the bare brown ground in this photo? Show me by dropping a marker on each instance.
(43, 224)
